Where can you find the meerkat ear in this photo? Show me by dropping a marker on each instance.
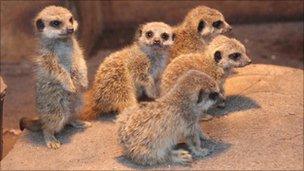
(39, 24)
(200, 96)
(201, 25)
(217, 56)
(139, 32)
(173, 36)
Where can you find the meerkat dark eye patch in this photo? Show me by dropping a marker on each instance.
(201, 26)
(40, 24)
(173, 36)
(235, 56)
(149, 34)
(213, 95)
(217, 24)
(200, 96)
(217, 56)
(71, 20)
(165, 36)
(55, 23)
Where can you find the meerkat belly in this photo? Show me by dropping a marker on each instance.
(158, 66)
(51, 98)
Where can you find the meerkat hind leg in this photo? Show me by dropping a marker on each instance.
(181, 156)
(194, 144)
(80, 124)
(50, 140)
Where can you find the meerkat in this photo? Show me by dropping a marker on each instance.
(149, 132)
(220, 57)
(198, 28)
(126, 74)
(61, 75)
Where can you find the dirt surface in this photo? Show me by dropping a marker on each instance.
(261, 128)
(276, 43)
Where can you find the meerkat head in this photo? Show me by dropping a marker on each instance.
(55, 22)
(228, 52)
(207, 22)
(156, 35)
(202, 90)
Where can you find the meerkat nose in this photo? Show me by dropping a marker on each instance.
(70, 31)
(156, 42)
(249, 62)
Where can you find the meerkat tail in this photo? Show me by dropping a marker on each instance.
(32, 124)
(88, 112)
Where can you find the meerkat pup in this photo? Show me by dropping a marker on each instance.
(220, 57)
(148, 132)
(124, 75)
(198, 28)
(61, 75)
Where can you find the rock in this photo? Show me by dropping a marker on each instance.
(261, 128)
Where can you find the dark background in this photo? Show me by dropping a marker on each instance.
(272, 32)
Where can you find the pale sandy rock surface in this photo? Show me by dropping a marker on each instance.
(261, 128)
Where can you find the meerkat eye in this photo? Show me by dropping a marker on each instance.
(213, 95)
(235, 56)
(217, 56)
(200, 26)
(55, 23)
(149, 34)
(217, 24)
(39, 24)
(71, 20)
(165, 36)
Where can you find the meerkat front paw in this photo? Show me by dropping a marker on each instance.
(151, 92)
(182, 157)
(70, 87)
(80, 124)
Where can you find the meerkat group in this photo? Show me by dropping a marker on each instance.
(182, 69)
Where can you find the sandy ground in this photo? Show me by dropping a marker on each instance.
(276, 43)
(261, 128)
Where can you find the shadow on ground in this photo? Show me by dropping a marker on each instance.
(235, 103)
(215, 146)
(65, 136)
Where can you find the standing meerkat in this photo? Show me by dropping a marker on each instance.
(198, 28)
(61, 75)
(125, 75)
(220, 57)
(149, 132)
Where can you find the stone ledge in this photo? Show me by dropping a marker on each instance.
(261, 128)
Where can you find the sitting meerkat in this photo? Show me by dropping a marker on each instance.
(198, 28)
(61, 75)
(125, 75)
(149, 132)
(220, 57)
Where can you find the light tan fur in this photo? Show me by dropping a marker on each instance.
(205, 62)
(126, 74)
(61, 75)
(149, 132)
(189, 39)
